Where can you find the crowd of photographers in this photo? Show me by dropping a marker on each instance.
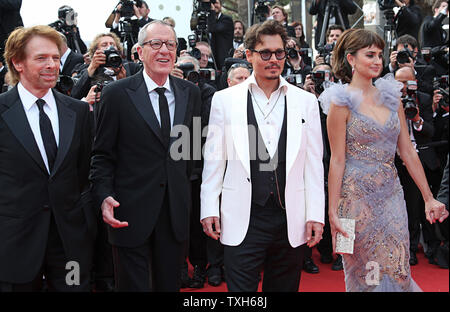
(214, 58)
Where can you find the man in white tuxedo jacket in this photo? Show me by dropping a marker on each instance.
(263, 172)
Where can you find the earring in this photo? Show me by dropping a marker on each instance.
(353, 69)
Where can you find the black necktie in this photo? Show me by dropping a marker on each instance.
(48, 137)
(164, 115)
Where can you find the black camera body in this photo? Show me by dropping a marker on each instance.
(441, 84)
(64, 84)
(113, 58)
(192, 41)
(325, 52)
(319, 77)
(404, 55)
(127, 9)
(410, 100)
(386, 4)
(189, 72)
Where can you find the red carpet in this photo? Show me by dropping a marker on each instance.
(429, 277)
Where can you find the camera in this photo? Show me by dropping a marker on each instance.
(192, 40)
(64, 84)
(127, 9)
(189, 72)
(113, 58)
(207, 74)
(319, 77)
(262, 9)
(441, 84)
(295, 79)
(426, 53)
(325, 52)
(386, 4)
(200, 13)
(404, 55)
(410, 100)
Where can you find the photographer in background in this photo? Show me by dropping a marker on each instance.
(106, 66)
(408, 18)
(188, 68)
(238, 35)
(295, 69)
(325, 52)
(67, 25)
(9, 19)
(221, 29)
(434, 34)
(314, 84)
(346, 7)
(279, 14)
(418, 111)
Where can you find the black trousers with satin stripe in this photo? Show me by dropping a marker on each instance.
(153, 266)
(265, 248)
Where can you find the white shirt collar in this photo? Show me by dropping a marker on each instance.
(64, 56)
(283, 85)
(151, 85)
(28, 99)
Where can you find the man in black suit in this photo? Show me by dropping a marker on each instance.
(46, 220)
(67, 24)
(222, 29)
(434, 34)
(408, 19)
(346, 7)
(69, 58)
(9, 19)
(421, 131)
(142, 184)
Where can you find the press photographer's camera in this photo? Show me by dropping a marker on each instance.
(410, 100)
(189, 72)
(127, 9)
(194, 52)
(441, 84)
(262, 9)
(404, 55)
(295, 79)
(325, 52)
(319, 77)
(113, 58)
(65, 84)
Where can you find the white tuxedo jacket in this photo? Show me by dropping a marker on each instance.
(226, 168)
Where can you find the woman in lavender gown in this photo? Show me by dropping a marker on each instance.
(366, 127)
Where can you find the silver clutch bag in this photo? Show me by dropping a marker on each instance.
(344, 245)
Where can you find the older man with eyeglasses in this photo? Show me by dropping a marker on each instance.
(137, 176)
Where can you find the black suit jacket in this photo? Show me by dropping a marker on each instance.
(29, 195)
(221, 30)
(408, 21)
(347, 7)
(72, 60)
(131, 164)
(433, 33)
(9, 18)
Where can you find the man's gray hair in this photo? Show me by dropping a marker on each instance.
(193, 60)
(142, 36)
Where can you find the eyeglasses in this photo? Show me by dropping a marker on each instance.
(156, 44)
(267, 54)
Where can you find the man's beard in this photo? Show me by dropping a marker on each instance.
(238, 39)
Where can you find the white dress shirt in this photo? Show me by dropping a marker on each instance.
(269, 113)
(154, 97)
(64, 58)
(32, 113)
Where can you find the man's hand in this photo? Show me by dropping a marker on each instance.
(317, 227)
(437, 96)
(177, 72)
(319, 60)
(208, 224)
(122, 73)
(393, 59)
(98, 59)
(108, 205)
(309, 85)
(93, 97)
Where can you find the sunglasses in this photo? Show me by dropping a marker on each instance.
(267, 54)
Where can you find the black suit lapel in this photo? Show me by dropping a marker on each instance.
(140, 98)
(17, 122)
(67, 119)
(181, 102)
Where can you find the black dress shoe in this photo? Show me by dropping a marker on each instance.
(413, 258)
(215, 276)
(198, 278)
(337, 265)
(326, 258)
(185, 280)
(309, 266)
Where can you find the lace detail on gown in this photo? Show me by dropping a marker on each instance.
(372, 195)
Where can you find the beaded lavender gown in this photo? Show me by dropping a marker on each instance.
(371, 193)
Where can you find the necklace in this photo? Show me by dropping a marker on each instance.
(259, 107)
